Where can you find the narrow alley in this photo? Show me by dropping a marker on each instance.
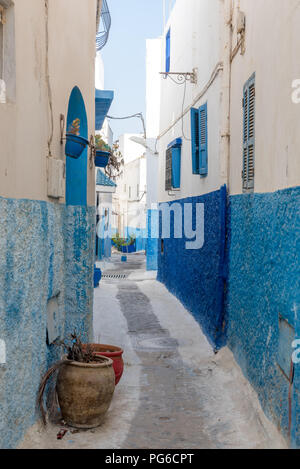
(175, 392)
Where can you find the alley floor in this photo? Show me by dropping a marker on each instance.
(175, 392)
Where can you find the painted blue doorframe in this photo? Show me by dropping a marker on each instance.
(76, 170)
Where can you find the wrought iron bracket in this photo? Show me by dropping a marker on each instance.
(181, 77)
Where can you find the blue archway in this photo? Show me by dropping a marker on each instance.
(76, 170)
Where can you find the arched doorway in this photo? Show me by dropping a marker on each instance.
(76, 170)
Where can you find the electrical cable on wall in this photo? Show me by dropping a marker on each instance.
(48, 76)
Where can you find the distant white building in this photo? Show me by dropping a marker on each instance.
(153, 90)
(130, 198)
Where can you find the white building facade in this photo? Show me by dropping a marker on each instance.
(229, 180)
(130, 198)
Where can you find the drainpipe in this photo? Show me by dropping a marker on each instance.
(225, 93)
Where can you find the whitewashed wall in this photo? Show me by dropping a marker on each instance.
(195, 43)
(25, 119)
(272, 51)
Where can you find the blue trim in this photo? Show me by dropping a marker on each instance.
(103, 101)
(76, 169)
(203, 141)
(176, 143)
(168, 51)
(195, 139)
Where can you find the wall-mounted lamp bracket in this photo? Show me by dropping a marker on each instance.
(181, 77)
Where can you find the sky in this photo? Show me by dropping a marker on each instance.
(124, 56)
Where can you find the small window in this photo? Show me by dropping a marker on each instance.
(173, 165)
(125, 188)
(129, 192)
(168, 51)
(138, 190)
(199, 140)
(248, 172)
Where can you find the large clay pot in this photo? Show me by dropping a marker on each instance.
(113, 352)
(85, 391)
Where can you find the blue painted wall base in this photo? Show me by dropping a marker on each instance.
(196, 277)
(152, 239)
(47, 251)
(263, 300)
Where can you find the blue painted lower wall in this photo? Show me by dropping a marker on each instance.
(258, 284)
(140, 235)
(264, 286)
(196, 276)
(47, 250)
(152, 239)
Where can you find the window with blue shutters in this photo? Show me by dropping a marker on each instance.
(199, 140)
(248, 172)
(195, 140)
(168, 51)
(173, 165)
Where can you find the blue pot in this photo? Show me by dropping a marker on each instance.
(97, 277)
(75, 145)
(101, 158)
(124, 259)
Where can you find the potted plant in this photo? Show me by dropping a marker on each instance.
(85, 385)
(112, 352)
(75, 143)
(103, 152)
(129, 246)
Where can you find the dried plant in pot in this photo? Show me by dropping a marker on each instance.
(85, 385)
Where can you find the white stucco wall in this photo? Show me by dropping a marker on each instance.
(129, 149)
(153, 90)
(25, 121)
(195, 43)
(130, 204)
(272, 52)
(99, 72)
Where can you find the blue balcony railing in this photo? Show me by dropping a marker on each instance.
(104, 27)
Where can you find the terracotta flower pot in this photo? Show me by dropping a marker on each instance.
(113, 352)
(85, 391)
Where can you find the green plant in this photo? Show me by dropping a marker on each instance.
(74, 128)
(101, 145)
(114, 168)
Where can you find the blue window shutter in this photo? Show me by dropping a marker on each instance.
(176, 167)
(168, 51)
(173, 165)
(249, 135)
(203, 153)
(195, 139)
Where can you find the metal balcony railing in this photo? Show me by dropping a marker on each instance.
(104, 27)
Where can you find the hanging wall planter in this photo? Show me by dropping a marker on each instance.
(75, 143)
(101, 158)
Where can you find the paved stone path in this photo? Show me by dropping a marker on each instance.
(175, 392)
